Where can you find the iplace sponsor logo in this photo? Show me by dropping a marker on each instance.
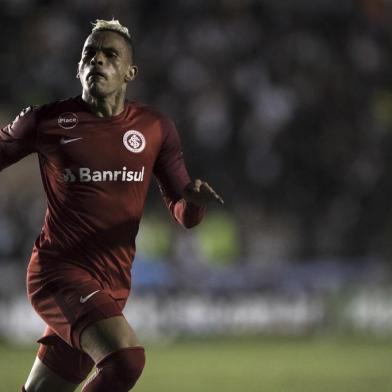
(68, 120)
(85, 174)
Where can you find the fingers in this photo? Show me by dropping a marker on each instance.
(205, 188)
(200, 192)
(219, 200)
(198, 184)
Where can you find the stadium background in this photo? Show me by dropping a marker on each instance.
(285, 107)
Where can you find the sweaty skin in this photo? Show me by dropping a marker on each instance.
(105, 68)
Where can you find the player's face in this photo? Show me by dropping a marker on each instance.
(106, 64)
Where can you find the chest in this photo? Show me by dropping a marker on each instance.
(130, 144)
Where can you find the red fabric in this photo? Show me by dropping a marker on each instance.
(67, 362)
(56, 296)
(118, 372)
(93, 223)
(88, 238)
(18, 138)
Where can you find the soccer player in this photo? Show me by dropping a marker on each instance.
(97, 154)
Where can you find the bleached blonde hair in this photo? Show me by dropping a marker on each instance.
(112, 25)
(116, 26)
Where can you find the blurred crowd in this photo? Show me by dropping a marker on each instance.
(285, 107)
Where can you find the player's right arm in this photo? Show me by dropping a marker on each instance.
(18, 139)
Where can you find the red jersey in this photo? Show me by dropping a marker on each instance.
(96, 173)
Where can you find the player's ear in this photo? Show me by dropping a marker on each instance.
(131, 73)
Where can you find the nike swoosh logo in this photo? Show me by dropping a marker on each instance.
(63, 140)
(87, 297)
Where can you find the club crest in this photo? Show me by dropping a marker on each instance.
(134, 141)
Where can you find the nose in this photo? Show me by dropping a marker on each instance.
(97, 59)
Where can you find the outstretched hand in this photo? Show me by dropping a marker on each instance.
(200, 193)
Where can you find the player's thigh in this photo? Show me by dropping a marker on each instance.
(107, 336)
(42, 379)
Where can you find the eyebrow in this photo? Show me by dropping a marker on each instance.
(103, 48)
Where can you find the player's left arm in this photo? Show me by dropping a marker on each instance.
(185, 199)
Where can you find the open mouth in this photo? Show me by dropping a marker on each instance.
(95, 75)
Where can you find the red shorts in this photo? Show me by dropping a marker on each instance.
(69, 299)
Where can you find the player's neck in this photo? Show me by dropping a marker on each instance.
(109, 106)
